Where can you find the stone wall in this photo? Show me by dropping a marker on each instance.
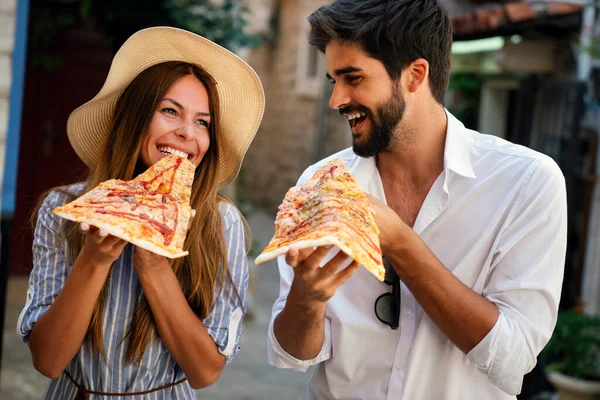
(287, 140)
(7, 35)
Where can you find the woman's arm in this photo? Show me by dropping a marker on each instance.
(200, 347)
(59, 333)
(180, 330)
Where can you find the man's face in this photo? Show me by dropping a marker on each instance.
(366, 95)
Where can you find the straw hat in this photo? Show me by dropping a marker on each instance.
(241, 95)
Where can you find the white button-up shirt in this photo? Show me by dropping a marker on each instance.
(496, 217)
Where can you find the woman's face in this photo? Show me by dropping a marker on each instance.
(179, 124)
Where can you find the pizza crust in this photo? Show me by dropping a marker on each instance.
(324, 241)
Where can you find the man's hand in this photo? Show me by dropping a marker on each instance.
(391, 227)
(315, 284)
(299, 328)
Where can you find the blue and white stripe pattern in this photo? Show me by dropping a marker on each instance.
(112, 374)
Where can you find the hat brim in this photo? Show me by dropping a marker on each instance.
(240, 92)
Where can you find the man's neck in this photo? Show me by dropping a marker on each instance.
(423, 159)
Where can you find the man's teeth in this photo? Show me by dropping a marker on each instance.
(355, 115)
(170, 150)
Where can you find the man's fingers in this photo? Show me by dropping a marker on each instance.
(314, 260)
(335, 263)
(305, 253)
(346, 273)
(291, 258)
(308, 255)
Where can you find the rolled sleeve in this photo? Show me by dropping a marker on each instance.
(279, 358)
(276, 355)
(50, 265)
(224, 323)
(526, 281)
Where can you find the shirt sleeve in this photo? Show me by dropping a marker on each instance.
(526, 279)
(50, 265)
(224, 323)
(276, 355)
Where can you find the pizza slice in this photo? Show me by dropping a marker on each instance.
(151, 211)
(330, 209)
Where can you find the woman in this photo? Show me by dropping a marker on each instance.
(104, 317)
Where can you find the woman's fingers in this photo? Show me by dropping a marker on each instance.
(84, 227)
(192, 215)
(100, 236)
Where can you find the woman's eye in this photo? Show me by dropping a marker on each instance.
(169, 111)
(203, 122)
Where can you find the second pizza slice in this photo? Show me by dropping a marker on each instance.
(330, 209)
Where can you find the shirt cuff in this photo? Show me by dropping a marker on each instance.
(230, 345)
(280, 358)
(500, 359)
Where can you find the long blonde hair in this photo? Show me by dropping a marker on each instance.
(203, 272)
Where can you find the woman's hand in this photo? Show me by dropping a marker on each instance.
(146, 261)
(100, 248)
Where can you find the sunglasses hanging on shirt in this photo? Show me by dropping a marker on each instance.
(387, 306)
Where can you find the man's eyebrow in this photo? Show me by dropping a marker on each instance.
(343, 71)
(347, 70)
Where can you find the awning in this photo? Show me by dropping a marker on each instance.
(541, 19)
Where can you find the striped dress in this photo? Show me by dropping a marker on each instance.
(112, 374)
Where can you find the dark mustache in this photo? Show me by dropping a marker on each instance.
(351, 109)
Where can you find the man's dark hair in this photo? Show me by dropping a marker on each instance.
(395, 32)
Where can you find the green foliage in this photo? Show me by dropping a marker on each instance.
(223, 22)
(576, 344)
(593, 48)
(467, 90)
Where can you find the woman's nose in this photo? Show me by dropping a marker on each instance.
(185, 131)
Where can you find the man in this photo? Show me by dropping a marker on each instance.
(474, 226)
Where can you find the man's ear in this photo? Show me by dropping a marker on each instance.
(417, 74)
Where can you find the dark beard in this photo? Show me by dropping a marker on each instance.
(389, 115)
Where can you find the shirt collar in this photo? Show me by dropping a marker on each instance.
(457, 151)
(457, 157)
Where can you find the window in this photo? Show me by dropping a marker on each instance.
(310, 68)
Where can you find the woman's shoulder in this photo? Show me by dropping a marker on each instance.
(60, 196)
(229, 213)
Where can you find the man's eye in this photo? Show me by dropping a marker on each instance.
(352, 79)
